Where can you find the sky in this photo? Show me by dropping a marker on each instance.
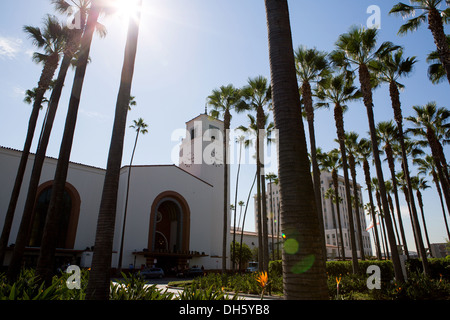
(186, 50)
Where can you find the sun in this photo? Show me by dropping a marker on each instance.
(126, 8)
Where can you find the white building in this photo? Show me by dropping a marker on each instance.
(174, 215)
(329, 217)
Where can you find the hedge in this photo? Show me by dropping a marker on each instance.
(439, 267)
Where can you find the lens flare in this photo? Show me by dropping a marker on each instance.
(291, 246)
(304, 265)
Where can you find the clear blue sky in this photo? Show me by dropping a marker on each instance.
(186, 49)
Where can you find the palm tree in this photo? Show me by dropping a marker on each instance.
(243, 220)
(99, 278)
(70, 58)
(339, 90)
(29, 99)
(390, 68)
(82, 40)
(51, 39)
(330, 194)
(435, 16)
(331, 161)
(312, 67)
(364, 151)
(240, 139)
(419, 183)
(358, 48)
(299, 218)
(382, 214)
(387, 133)
(389, 189)
(426, 166)
(141, 128)
(429, 122)
(252, 129)
(271, 176)
(223, 100)
(257, 98)
(436, 71)
(351, 143)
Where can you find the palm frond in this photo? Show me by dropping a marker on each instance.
(403, 9)
(39, 57)
(61, 6)
(412, 24)
(35, 34)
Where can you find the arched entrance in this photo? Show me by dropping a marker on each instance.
(168, 227)
(68, 217)
(169, 231)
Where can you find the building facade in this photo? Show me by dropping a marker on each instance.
(330, 217)
(174, 213)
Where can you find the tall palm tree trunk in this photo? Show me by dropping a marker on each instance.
(119, 264)
(438, 188)
(259, 220)
(338, 212)
(235, 201)
(395, 98)
(227, 118)
(366, 89)
(339, 120)
(47, 74)
(303, 268)
(391, 206)
(243, 222)
(23, 234)
(352, 163)
(405, 192)
(271, 218)
(396, 199)
(99, 278)
(265, 222)
(419, 200)
(69, 53)
(260, 119)
(372, 206)
(308, 103)
(383, 229)
(49, 237)
(434, 146)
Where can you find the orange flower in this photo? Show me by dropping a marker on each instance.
(263, 279)
(338, 280)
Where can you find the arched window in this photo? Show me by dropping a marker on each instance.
(67, 225)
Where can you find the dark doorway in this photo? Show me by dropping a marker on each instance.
(40, 214)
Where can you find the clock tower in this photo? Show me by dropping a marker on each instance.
(201, 151)
(201, 154)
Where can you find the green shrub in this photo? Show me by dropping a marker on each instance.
(238, 283)
(276, 268)
(28, 287)
(438, 267)
(340, 268)
(195, 292)
(135, 287)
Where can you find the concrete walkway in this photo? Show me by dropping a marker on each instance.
(241, 296)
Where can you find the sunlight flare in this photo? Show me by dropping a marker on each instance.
(126, 8)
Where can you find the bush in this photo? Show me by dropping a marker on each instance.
(276, 268)
(239, 283)
(135, 287)
(28, 287)
(195, 292)
(438, 267)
